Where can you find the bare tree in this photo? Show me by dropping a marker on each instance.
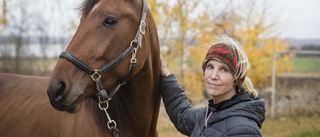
(18, 31)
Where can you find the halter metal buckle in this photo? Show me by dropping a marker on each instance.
(143, 30)
(96, 73)
(133, 57)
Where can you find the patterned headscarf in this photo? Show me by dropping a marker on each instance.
(226, 55)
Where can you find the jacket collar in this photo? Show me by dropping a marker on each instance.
(239, 105)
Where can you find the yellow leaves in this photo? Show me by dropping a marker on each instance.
(3, 19)
(177, 30)
(284, 63)
(260, 54)
(193, 84)
(260, 43)
(198, 53)
(187, 35)
(154, 5)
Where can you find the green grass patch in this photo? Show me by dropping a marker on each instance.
(306, 65)
(309, 134)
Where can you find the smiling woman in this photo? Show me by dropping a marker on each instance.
(235, 108)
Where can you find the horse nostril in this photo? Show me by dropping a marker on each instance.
(60, 91)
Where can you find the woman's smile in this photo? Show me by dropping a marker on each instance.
(213, 85)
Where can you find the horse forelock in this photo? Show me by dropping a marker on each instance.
(86, 7)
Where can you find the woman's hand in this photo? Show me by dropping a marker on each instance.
(164, 70)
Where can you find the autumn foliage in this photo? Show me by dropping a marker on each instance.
(187, 28)
(3, 19)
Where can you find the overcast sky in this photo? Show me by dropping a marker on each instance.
(299, 19)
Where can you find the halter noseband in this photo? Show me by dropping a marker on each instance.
(96, 74)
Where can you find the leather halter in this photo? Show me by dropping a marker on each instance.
(96, 74)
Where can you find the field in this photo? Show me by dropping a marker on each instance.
(292, 127)
(279, 127)
(306, 65)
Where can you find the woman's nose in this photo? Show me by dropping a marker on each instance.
(214, 74)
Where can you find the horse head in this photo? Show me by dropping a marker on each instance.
(107, 29)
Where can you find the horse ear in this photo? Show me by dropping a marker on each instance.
(87, 6)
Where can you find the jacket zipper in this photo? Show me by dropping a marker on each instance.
(202, 130)
(206, 123)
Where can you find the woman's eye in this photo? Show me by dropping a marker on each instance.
(210, 67)
(224, 70)
(109, 22)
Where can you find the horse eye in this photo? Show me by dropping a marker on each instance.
(109, 22)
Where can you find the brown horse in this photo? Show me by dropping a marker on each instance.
(107, 28)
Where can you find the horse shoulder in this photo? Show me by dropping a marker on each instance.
(26, 111)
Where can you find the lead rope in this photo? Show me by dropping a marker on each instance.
(112, 125)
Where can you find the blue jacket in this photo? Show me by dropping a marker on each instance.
(239, 116)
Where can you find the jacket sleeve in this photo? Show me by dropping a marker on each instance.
(178, 107)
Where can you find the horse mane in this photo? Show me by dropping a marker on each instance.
(87, 6)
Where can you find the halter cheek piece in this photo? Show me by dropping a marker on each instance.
(104, 97)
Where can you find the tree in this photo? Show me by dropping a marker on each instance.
(3, 18)
(259, 40)
(186, 31)
(252, 27)
(18, 31)
(177, 28)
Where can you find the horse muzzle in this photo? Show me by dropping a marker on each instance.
(57, 94)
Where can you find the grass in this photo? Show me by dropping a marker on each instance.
(278, 127)
(309, 134)
(291, 127)
(306, 65)
(165, 127)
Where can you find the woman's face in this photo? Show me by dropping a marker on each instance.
(218, 81)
